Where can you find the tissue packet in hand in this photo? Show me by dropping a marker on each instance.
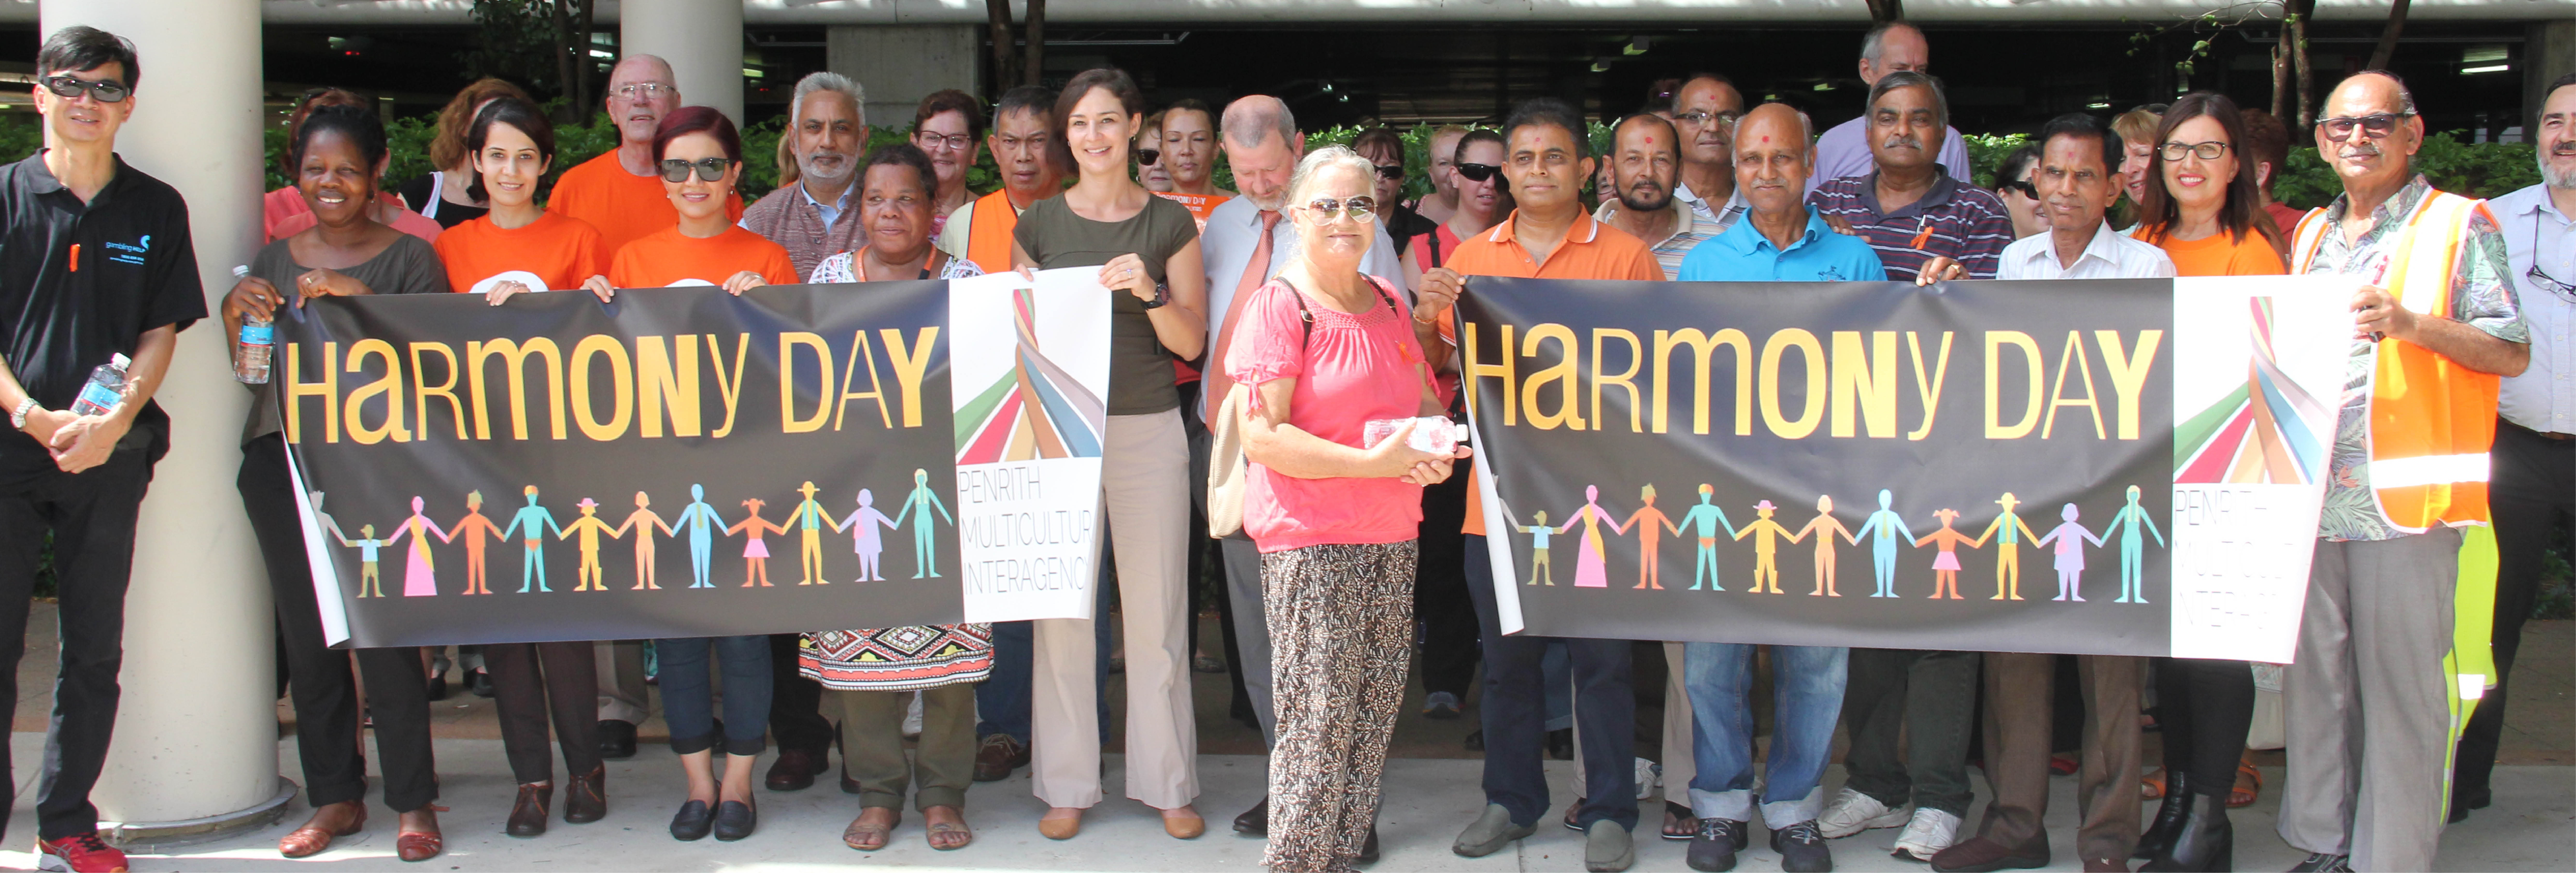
(1431, 433)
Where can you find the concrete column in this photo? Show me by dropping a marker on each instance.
(196, 735)
(701, 38)
(2548, 52)
(900, 64)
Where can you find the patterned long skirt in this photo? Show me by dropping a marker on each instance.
(1341, 617)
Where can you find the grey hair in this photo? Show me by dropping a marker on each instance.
(1251, 121)
(2405, 95)
(1875, 43)
(1310, 171)
(1912, 79)
(814, 83)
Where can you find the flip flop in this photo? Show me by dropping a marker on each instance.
(869, 837)
(937, 829)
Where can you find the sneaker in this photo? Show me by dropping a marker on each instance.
(2320, 862)
(1713, 849)
(1802, 848)
(79, 853)
(1440, 705)
(1926, 834)
(912, 719)
(1853, 812)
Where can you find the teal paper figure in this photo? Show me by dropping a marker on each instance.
(2070, 539)
(1705, 519)
(532, 563)
(1882, 529)
(702, 523)
(2124, 527)
(1539, 566)
(925, 556)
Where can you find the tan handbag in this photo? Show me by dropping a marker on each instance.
(1227, 468)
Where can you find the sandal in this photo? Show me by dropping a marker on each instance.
(1679, 816)
(869, 837)
(959, 836)
(306, 842)
(2152, 785)
(417, 846)
(2243, 794)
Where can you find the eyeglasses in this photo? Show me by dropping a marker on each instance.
(709, 169)
(1477, 172)
(647, 90)
(1391, 171)
(1360, 208)
(2027, 189)
(1723, 119)
(68, 88)
(2207, 151)
(2377, 125)
(958, 141)
(2544, 280)
(1147, 157)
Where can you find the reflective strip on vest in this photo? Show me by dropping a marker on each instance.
(2428, 470)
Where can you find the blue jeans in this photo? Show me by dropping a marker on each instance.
(1514, 710)
(688, 694)
(1807, 689)
(1002, 699)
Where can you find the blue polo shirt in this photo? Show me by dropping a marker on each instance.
(1743, 254)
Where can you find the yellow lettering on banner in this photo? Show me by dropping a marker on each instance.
(728, 386)
(2057, 393)
(1475, 369)
(516, 354)
(2128, 372)
(421, 390)
(859, 348)
(909, 366)
(1565, 370)
(1868, 378)
(1929, 389)
(1813, 354)
(1704, 347)
(390, 385)
(1996, 340)
(1625, 379)
(788, 343)
(328, 389)
(668, 378)
(621, 378)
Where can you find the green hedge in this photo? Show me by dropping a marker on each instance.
(2475, 169)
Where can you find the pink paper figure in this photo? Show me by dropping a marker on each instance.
(755, 554)
(1589, 570)
(1945, 568)
(2070, 539)
(419, 576)
(864, 539)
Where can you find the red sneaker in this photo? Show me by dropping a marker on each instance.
(79, 853)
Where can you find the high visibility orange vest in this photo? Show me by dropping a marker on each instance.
(2431, 420)
(988, 236)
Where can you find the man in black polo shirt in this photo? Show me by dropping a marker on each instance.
(95, 261)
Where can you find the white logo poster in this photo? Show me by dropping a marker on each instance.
(1029, 371)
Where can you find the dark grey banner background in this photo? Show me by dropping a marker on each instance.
(1955, 466)
(375, 484)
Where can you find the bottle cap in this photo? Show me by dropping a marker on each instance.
(119, 360)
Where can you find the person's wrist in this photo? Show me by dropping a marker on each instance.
(23, 412)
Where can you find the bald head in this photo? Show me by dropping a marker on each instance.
(2367, 159)
(641, 92)
(1252, 121)
(1773, 159)
(1893, 46)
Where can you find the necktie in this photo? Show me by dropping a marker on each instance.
(1256, 272)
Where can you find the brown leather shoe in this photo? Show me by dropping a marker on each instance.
(997, 756)
(304, 842)
(795, 769)
(1981, 855)
(586, 799)
(418, 846)
(528, 815)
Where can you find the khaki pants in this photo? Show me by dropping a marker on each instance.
(872, 744)
(2369, 704)
(1144, 485)
(2019, 698)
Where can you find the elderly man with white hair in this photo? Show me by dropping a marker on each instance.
(827, 132)
(1844, 151)
(620, 192)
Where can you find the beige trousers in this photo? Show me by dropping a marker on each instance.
(1144, 486)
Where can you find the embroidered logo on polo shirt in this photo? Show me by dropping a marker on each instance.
(1831, 274)
(128, 253)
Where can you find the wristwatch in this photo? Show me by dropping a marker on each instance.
(18, 416)
(1162, 295)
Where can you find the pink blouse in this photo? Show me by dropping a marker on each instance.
(1349, 369)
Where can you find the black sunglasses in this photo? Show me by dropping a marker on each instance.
(1477, 172)
(106, 90)
(1391, 171)
(709, 169)
(1147, 157)
(2027, 189)
(2378, 125)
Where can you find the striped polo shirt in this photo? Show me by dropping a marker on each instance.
(1963, 222)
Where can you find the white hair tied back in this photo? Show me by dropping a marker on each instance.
(1311, 168)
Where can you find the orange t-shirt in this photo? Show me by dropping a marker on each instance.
(2221, 254)
(1591, 250)
(669, 258)
(624, 207)
(562, 252)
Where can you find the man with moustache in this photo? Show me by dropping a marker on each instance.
(1704, 115)
(981, 232)
(2369, 700)
(827, 130)
(1442, 202)
(2533, 473)
(1925, 224)
(620, 192)
(1844, 151)
(1781, 240)
(1645, 162)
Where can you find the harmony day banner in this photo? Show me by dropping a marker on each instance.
(682, 462)
(2127, 467)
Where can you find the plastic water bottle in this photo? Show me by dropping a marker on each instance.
(106, 389)
(258, 339)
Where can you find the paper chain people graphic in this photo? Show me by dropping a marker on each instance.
(1885, 529)
(698, 522)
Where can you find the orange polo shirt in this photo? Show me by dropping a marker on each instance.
(669, 257)
(624, 207)
(562, 252)
(1591, 250)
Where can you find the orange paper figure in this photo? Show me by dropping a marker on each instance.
(2008, 558)
(1945, 568)
(589, 527)
(1824, 526)
(644, 520)
(1649, 568)
(1766, 547)
(473, 527)
(755, 554)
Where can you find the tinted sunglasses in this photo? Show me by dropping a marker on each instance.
(2376, 125)
(106, 90)
(709, 169)
(1477, 172)
(1147, 157)
(2027, 189)
(1360, 208)
(1391, 171)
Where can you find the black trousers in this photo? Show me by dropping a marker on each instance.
(795, 702)
(91, 516)
(1514, 710)
(2532, 492)
(324, 693)
(1440, 602)
(1926, 697)
(2204, 708)
(530, 680)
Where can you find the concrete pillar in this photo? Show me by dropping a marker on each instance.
(701, 38)
(2548, 52)
(196, 734)
(900, 64)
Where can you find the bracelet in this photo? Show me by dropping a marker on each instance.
(18, 416)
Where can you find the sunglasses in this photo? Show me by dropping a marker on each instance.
(2207, 151)
(1391, 171)
(1147, 157)
(1360, 208)
(2376, 125)
(2027, 189)
(106, 90)
(709, 169)
(1477, 172)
